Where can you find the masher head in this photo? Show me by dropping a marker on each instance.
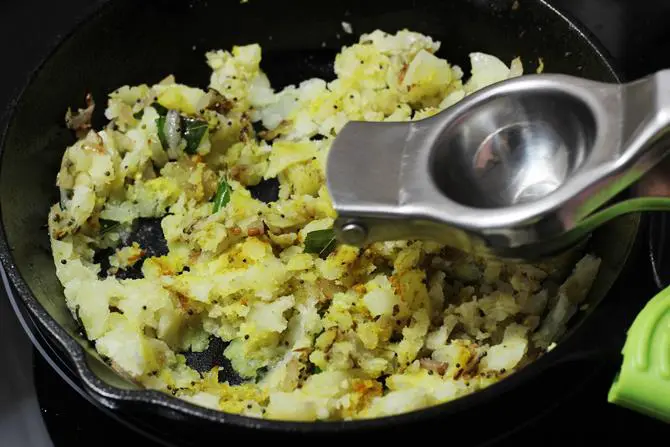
(515, 170)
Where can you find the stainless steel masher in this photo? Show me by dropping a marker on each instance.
(521, 169)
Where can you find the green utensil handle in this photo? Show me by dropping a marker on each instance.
(643, 383)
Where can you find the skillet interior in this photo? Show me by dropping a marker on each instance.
(133, 42)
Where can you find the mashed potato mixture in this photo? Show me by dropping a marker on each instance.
(317, 330)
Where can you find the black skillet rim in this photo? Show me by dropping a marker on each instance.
(116, 398)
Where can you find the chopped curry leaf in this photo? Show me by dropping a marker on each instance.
(160, 126)
(321, 242)
(162, 111)
(107, 225)
(160, 123)
(222, 195)
(139, 114)
(260, 373)
(194, 130)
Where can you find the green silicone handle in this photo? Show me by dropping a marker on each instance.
(643, 383)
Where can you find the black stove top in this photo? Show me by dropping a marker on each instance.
(38, 408)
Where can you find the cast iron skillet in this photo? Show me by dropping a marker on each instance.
(130, 42)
